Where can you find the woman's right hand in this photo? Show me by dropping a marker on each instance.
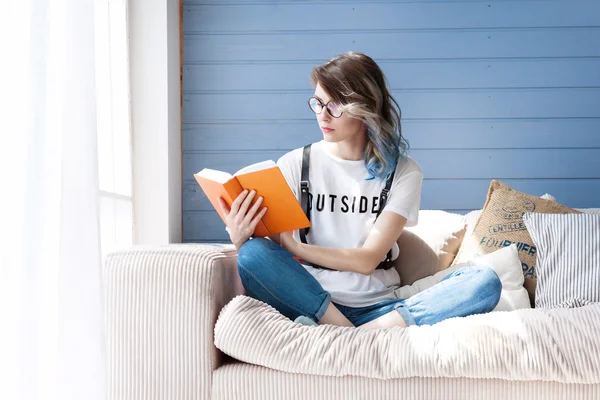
(241, 219)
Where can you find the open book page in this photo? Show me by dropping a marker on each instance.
(214, 175)
(256, 167)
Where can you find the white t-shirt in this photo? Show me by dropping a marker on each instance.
(344, 206)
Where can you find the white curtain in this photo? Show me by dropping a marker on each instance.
(51, 332)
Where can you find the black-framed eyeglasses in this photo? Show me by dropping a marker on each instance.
(317, 107)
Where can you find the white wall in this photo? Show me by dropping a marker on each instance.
(156, 120)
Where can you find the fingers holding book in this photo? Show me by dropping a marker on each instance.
(242, 217)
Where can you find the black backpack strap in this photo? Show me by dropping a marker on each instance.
(304, 189)
(387, 264)
(384, 193)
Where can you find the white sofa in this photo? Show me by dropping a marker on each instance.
(162, 304)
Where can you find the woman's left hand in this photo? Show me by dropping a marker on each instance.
(286, 239)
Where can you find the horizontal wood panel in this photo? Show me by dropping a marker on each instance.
(556, 42)
(294, 16)
(464, 134)
(444, 163)
(441, 74)
(490, 103)
(461, 193)
(203, 226)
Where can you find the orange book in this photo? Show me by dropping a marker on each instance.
(284, 212)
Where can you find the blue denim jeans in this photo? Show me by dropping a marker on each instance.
(271, 274)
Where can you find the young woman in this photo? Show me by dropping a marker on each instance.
(338, 277)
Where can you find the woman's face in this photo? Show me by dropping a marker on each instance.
(336, 129)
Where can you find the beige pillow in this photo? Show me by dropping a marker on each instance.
(501, 224)
(430, 246)
(472, 217)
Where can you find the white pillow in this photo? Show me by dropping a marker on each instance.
(505, 262)
(437, 228)
(442, 231)
(470, 221)
(548, 196)
(593, 211)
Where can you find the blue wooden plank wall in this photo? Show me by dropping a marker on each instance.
(506, 90)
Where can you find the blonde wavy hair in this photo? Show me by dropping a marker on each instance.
(355, 82)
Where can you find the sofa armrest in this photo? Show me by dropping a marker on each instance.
(161, 305)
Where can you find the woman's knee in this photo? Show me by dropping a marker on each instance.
(256, 256)
(252, 251)
(490, 288)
